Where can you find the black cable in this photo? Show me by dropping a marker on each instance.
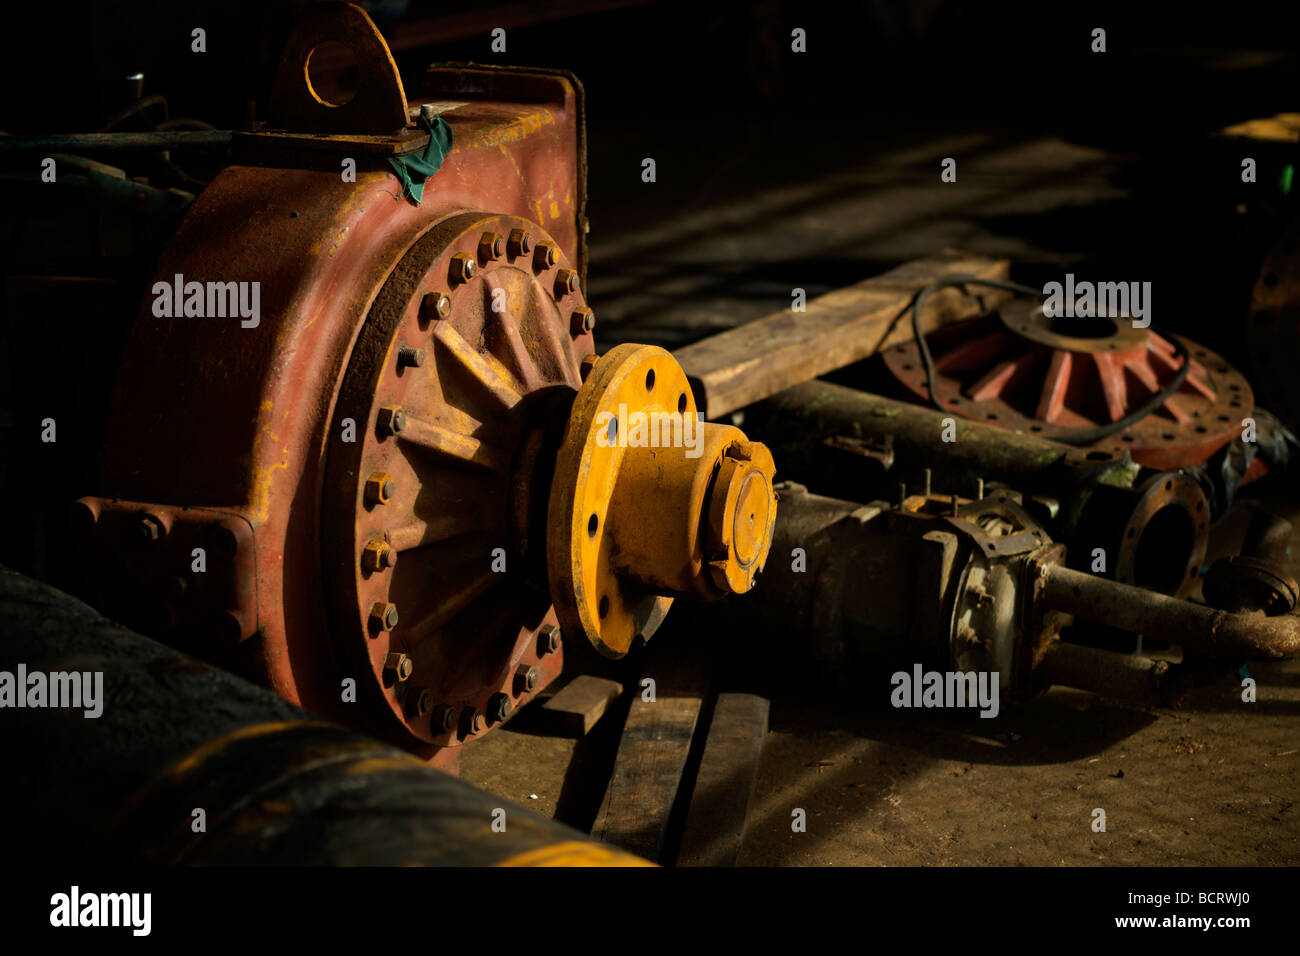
(1081, 437)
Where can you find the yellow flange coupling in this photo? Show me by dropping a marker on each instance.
(649, 502)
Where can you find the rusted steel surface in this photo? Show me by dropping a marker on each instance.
(1026, 372)
(379, 103)
(210, 414)
(469, 352)
(276, 785)
(1248, 635)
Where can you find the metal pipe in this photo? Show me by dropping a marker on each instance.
(114, 142)
(275, 784)
(1249, 634)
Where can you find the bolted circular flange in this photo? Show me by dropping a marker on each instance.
(637, 480)
(452, 445)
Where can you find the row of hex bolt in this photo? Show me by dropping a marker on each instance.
(442, 717)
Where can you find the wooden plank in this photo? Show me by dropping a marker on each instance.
(753, 361)
(579, 704)
(724, 786)
(656, 742)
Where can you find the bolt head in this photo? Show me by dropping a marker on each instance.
(566, 283)
(491, 246)
(519, 244)
(398, 665)
(442, 719)
(391, 420)
(472, 721)
(499, 707)
(546, 256)
(583, 321)
(150, 528)
(463, 268)
(435, 305)
(383, 616)
(378, 556)
(549, 639)
(525, 680)
(379, 488)
(423, 703)
(586, 365)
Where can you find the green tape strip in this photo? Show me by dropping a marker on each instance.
(415, 168)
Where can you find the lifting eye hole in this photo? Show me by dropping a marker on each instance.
(681, 403)
(592, 524)
(604, 605)
(650, 380)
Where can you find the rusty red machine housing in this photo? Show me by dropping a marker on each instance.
(220, 436)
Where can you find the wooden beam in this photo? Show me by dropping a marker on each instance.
(643, 789)
(724, 786)
(579, 704)
(751, 362)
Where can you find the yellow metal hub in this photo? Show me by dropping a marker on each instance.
(649, 503)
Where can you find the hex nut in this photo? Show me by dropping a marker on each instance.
(548, 639)
(490, 246)
(472, 722)
(499, 707)
(379, 488)
(435, 305)
(383, 616)
(378, 556)
(583, 321)
(463, 268)
(150, 529)
(398, 665)
(391, 420)
(545, 256)
(566, 283)
(443, 719)
(525, 680)
(519, 244)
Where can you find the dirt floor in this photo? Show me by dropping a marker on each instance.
(1214, 781)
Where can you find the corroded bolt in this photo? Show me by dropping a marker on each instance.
(443, 719)
(490, 246)
(150, 528)
(585, 366)
(391, 420)
(378, 556)
(408, 357)
(546, 256)
(463, 268)
(422, 703)
(548, 639)
(383, 616)
(566, 283)
(584, 320)
(435, 305)
(525, 679)
(379, 488)
(499, 707)
(520, 244)
(398, 665)
(472, 721)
